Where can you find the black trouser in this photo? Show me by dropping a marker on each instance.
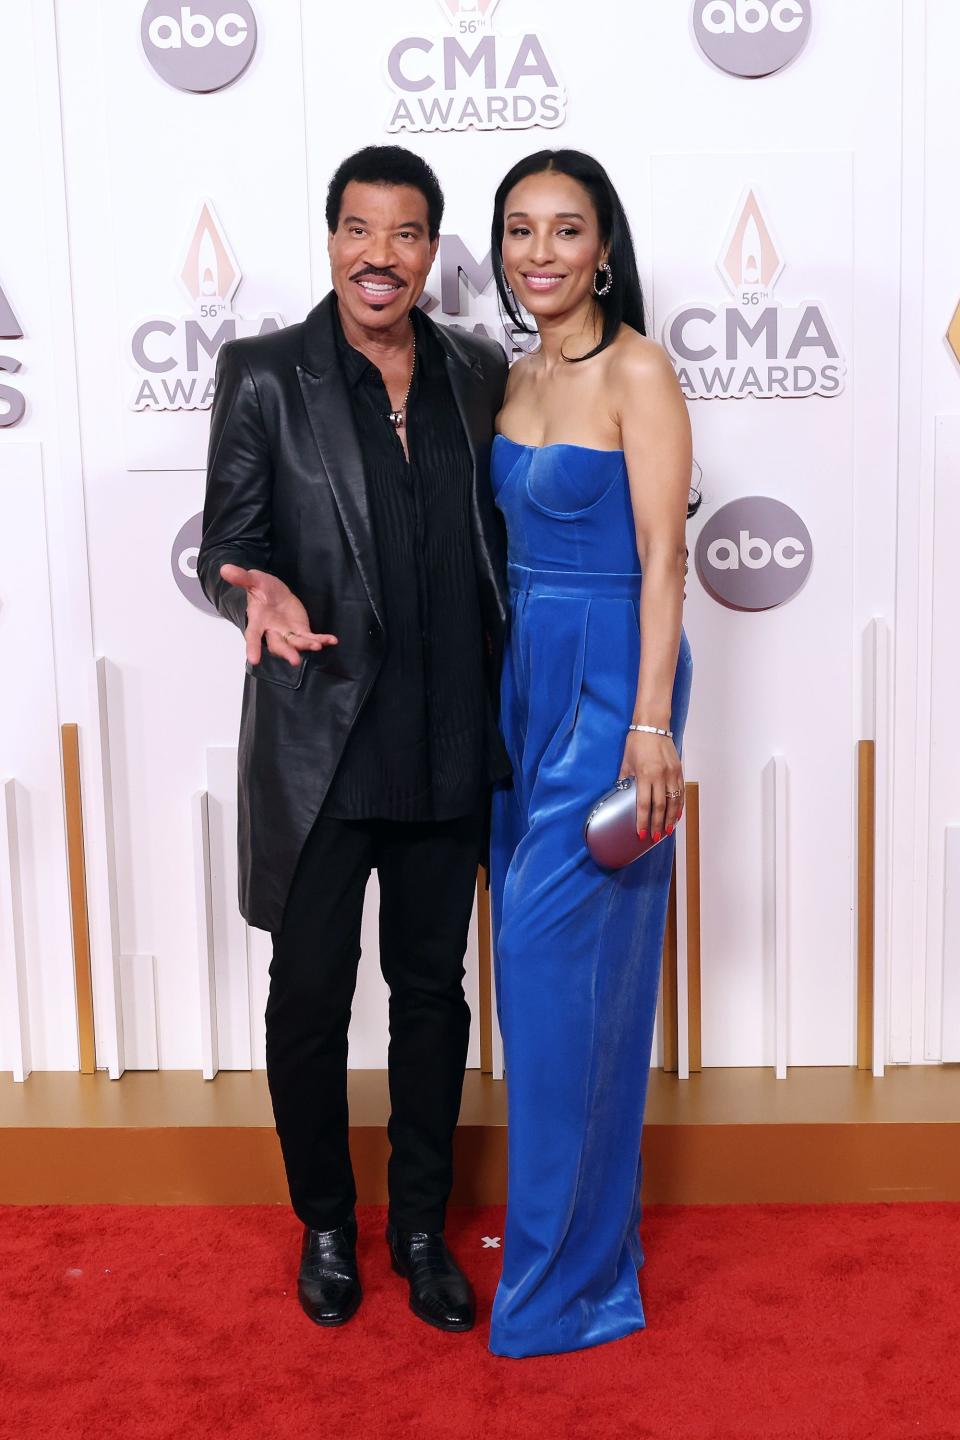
(427, 873)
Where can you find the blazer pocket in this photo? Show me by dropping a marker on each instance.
(277, 670)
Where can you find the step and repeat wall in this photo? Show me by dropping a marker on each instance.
(789, 172)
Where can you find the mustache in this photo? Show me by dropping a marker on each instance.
(376, 274)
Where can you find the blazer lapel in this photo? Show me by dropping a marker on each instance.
(466, 382)
(328, 407)
(477, 405)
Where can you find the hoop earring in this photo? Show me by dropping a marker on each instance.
(607, 284)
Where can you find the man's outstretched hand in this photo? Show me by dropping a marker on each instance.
(274, 614)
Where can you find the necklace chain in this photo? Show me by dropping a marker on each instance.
(397, 417)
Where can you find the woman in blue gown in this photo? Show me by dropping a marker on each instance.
(590, 469)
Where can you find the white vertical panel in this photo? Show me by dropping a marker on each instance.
(14, 1007)
(110, 1027)
(229, 929)
(775, 873)
(656, 1052)
(944, 790)
(881, 671)
(102, 911)
(951, 944)
(259, 952)
(206, 959)
(471, 989)
(138, 990)
(683, 974)
(908, 723)
(904, 947)
(781, 873)
(496, 1059)
(940, 296)
(48, 317)
(30, 751)
(927, 695)
(369, 1026)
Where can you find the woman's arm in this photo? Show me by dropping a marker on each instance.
(655, 427)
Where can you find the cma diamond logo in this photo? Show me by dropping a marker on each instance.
(754, 344)
(175, 358)
(472, 77)
(470, 16)
(953, 333)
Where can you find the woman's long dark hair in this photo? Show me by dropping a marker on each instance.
(624, 304)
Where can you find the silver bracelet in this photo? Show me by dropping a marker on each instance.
(652, 730)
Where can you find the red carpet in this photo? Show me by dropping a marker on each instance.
(769, 1321)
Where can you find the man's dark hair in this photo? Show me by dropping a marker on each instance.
(386, 165)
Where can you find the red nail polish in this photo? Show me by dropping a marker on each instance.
(642, 834)
(656, 834)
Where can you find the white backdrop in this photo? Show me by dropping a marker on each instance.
(851, 151)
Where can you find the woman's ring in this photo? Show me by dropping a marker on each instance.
(674, 794)
(287, 634)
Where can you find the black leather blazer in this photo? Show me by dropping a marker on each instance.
(286, 493)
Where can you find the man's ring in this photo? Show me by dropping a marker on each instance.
(287, 634)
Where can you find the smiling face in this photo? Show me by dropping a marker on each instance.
(552, 244)
(380, 253)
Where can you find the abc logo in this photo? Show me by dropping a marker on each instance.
(751, 37)
(754, 553)
(183, 563)
(199, 47)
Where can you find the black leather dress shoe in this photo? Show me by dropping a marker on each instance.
(440, 1293)
(328, 1284)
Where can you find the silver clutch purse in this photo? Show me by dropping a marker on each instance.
(610, 831)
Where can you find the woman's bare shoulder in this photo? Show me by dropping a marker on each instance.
(639, 357)
(641, 372)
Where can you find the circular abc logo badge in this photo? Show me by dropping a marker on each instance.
(754, 553)
(183, 562)
(751, 37)
(199, 47)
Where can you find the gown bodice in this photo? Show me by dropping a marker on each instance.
(566, 507)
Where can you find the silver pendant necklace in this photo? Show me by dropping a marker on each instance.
(397, 417)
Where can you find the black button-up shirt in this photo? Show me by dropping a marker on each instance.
(417, 750)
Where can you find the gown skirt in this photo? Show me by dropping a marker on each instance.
(577, 948)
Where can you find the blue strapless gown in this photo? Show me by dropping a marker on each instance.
(577, 948)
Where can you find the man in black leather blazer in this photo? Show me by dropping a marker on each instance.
(299, 476)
